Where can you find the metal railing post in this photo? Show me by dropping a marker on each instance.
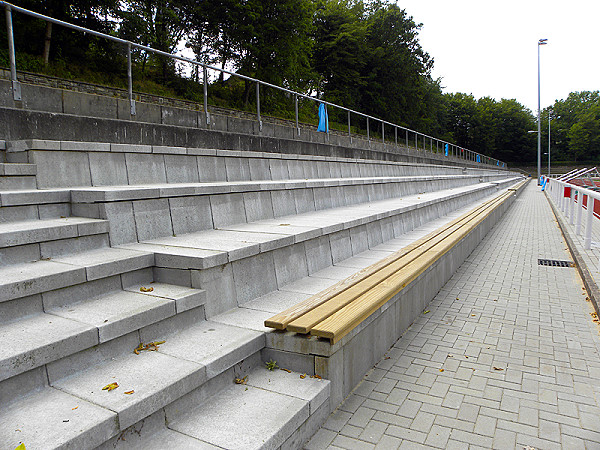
(396, 136)
(416, 141)
(588, 223)
(406, 140)
(205, 82)
(258, 106)
(296, 111)
(572, 207)
(16, 86)
(368, 132)
(130, 82)
(349, 129)
(579, 211)
(383, 133)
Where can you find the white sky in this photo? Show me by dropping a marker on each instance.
(489, 48)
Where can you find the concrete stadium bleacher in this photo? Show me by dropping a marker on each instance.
(225, 238)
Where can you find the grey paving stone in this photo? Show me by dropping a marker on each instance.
(478, 405)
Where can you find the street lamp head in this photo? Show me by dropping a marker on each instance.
(542, 42)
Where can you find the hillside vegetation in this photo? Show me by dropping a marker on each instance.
(364, 55)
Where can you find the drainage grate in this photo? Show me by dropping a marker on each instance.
(555, 263)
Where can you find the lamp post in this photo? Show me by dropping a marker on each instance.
(549, 120)
(539, 155)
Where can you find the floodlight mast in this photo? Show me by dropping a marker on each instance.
(539, 122)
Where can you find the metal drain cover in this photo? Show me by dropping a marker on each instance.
(555, 263)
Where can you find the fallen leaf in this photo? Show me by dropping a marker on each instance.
(303, 376)
(387, 357)
(318, 377)
(284, 224)
(286, 370)
(441, 370)
(145, 289)
(73, 409)
(151, 347)
(426, 311)
(111, 386)
(473, 315)
(129, 392)
(241, 380)
(498, 368)
(21, 446)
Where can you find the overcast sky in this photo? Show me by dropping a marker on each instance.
(489, 48)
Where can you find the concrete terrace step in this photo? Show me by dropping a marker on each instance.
(140, 164)
(17, 169)
(274, 410)
(36, 231)
(194, 352)
(34, 197)
(75, 319)
(27, 279)
(205, 249)
(17, 182)
(44, 417)
(121, 193)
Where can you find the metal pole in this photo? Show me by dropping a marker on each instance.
(406, 140)
(588, 223)
(396, 136)
(579, 212)
(349, 130)
(549, 120)
(11, 54)
(258, 106)
(368, 132)
(296, 110)
(539, 154)
(383, 133)
(130, 82)
(205, 82)
(572, 207)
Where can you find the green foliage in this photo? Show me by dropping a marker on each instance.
(575, 127)
(362, 54)
(272, 365)
(495, 128)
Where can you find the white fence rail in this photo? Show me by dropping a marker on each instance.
(573, 203)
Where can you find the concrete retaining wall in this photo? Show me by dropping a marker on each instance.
(61, 114)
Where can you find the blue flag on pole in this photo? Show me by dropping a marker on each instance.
(323, 119)
(478, 158)
(446, 149)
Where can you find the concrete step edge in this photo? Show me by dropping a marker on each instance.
(27, 279)
(43, 230)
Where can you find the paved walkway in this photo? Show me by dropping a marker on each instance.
(506, 356)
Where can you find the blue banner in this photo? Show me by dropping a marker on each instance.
(446, 149)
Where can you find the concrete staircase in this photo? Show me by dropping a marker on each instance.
(108, 246)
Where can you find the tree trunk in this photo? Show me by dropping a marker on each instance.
(47, 41)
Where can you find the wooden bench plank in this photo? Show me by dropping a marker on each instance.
(337, 301)
(346, 319)
(282, 320)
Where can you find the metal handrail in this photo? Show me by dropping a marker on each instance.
(453, 150)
